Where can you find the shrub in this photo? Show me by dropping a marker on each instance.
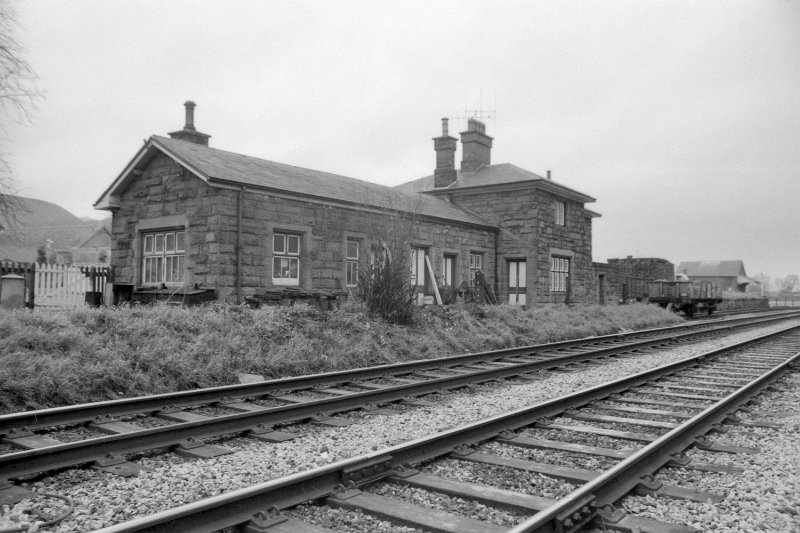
(384, 285)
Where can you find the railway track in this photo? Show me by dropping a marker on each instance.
(639, 424)
(103, 434)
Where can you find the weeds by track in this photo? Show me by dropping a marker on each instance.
(662, 411)
(259, 409)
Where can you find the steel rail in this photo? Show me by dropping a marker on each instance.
(74, 453)
(613, 484)
(81, 413)
(58, 456)
(240, 506)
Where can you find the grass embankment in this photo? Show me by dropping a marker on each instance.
(52, 359)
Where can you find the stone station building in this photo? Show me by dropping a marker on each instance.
(192, 221)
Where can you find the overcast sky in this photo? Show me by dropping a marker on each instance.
(681, 118)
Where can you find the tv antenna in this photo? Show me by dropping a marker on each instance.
(480, 113)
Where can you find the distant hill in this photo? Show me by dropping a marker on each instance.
(41, 223)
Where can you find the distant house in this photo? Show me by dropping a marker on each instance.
(94, 250)
(727, 275)
(189, 217)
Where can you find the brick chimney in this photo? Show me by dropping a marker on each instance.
(445, 146)
(189, 132)
(476, 146)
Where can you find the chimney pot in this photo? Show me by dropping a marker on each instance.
(189, 132)
(548, 175)
(445, 173)
(189, 105)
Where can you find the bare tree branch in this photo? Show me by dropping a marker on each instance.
(18, 97)
(18, 92)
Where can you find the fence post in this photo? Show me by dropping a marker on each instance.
(30, 280)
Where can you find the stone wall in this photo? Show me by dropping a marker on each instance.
(526, 217)
(643, 267)
(628, 277)
(165, 196)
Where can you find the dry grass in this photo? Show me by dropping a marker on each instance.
(51, 359)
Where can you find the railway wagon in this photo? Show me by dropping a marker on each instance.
(685, 295)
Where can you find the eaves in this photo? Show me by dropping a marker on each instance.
(546, 185)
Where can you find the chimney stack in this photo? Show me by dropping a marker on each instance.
(476, 146)
(189, 105)
(445, 146)
(189, 132)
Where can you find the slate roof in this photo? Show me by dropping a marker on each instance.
(489, 175)
(712, 268)
(223, 167)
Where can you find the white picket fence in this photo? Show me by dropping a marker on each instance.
(60, 286)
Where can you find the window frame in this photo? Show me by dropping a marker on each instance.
(560, 211)
(517, 281)
(475, 264)
(163, 257)
(449, 275)
(286, 256)
(351, 262)
(418, 255)
(559, 273)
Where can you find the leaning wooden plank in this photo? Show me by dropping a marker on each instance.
(433, 281)
(490, 294)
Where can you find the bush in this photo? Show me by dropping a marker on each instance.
(385, 287)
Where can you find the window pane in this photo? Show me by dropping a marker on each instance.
(293, 268)
(169, 245)
(159, 244)
(523, 274)
(147, 276)
(560, 213)
(276, 267)
(168, 262)
(352, 249)
(173, 269)
(293, 246)
(420, 267)
(180, 238)
(148, 244)
(352, 273)
(174, 273)
(279, 244)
